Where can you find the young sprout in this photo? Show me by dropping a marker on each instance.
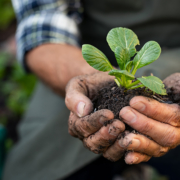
(122, 42)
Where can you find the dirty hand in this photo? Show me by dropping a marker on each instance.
(159, 121)
(90, 127)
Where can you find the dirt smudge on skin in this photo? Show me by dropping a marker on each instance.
(80, 85)
(111, 141)
(108, 122)
(100, 147)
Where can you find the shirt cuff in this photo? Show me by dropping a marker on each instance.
(44, 28)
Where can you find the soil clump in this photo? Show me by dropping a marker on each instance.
(115, 98)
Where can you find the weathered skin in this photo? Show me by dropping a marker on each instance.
(160, 122)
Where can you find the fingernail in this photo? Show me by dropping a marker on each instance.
(80, 109)
(135, 143)
(129, 116)
(113, 131)
(131, 160)
(124, 142)
(139, 106)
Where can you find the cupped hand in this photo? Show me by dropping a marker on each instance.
(158, 122)
(87, 126)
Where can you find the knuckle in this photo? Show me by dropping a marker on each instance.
(71, 120)
(97, 149)
(173, 142)
(81, 128)
(94, 145)
(171, 139)
(71, 133)
(86, 144)
(107, 156)
(92, 120)
(147, 127)
(147, 144)
(105, 141)
(156, 109)
(175, 117)
(104, 138)
(161, 152)
(70, 123)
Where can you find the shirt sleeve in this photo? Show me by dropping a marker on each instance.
(43, 21)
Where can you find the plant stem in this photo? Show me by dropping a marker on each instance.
(129, 82)
(133, 84)
(141, 85)
(134, 71)
(119, 80)
(123, 80)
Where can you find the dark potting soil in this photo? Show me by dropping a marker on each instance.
(115, 98)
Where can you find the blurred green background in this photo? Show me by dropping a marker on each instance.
(7, 13)
(15, 86)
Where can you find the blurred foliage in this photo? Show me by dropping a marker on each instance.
(15, 88)
(7, 13)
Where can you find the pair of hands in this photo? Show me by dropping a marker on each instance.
(158, 123)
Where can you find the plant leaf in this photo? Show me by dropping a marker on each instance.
(124, 38)
(154, 84)
(129, 66)
(119, 73)
(96, 58)
(122, 56)
(148, 54)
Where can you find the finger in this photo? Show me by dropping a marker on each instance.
(81, 89)
(102, 139)
(142, 144)
(167, 113)
(162, 133)
(136, 158)
(115, 151)
(72, 119)
(83, 127)
(76, 97)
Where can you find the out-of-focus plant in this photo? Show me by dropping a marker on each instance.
(7, 13)
(15, 88)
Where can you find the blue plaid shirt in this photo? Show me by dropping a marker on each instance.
(46, 21)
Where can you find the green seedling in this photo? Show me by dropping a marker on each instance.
(123, 42)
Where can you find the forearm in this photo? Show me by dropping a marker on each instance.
(56, 64)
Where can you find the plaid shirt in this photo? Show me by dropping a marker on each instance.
(45, 21)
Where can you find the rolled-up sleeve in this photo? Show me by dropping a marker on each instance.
(43, 21)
